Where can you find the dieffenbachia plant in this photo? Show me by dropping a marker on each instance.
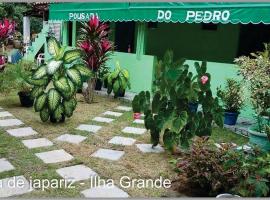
(169, 114)
(55, 84)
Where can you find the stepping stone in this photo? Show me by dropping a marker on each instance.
(5, 166)
(5, 114)
(73, 139)
(22, 132)
(103, 119)
(108, 154)
(138, 121)
(147, 148)
(133, 130)
(105, 191)
(124, 108)
(111, 113)
(89, 128)
(36, 143)
(54, 156)
(14, 186)
(10, 122)
(76, 173)
(125, 141)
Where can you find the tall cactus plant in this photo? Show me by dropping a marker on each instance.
(56, 83)
(169, 114)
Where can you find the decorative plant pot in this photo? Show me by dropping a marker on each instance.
(105, 83)
(193, 107)
(25, 99)
(230, 118)
(98, 84)
(137, 115)
(53, 120)
(259, 139)
(120, 94)
(227, 195)
(17, 44)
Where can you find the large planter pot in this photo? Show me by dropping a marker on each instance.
(25, 99)
(230, 118)
(259, 139)
(193, 107)
(98, 84)
(17, 44)
(121, 93)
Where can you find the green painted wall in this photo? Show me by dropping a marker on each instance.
(140, 70)
(219, 73)
(191, 42)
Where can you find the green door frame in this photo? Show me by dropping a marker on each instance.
(141, 39)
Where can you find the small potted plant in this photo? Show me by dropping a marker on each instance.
(118, 81)
(233, 101)
(101, 73)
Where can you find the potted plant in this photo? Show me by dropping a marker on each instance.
(256, 73)
(233, 101)
(118, 81)
(101, 74)
(55, 84)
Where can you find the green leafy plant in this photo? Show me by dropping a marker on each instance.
(232, 96)
(118, 81)
(55, 84)
(170, 114)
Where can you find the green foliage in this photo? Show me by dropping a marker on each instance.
(232, 96)
(65, 72)
(225, 170)
(118, 81)
(170, 112)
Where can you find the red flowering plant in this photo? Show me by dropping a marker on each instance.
(94, 42)
(7, 28)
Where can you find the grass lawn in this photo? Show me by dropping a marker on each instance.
(133, 163)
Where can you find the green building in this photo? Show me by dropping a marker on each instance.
(142, 32)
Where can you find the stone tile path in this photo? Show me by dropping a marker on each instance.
(147, 148)
(36, 143)
(22, 132)
(133, 130)
(123, 108)
(73, 139)
(138, 121)
(103, 119)
(5, 114)
(108, 154)
(76, 173)
(111, 113)
(10, 122)
(125, 141)
(106, 191)
(5, 166)
(54, 156)
(8, 186)
(89, 128)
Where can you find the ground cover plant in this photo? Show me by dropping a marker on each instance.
(170, 114)
(64, 71)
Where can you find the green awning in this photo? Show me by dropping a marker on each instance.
(164, 12)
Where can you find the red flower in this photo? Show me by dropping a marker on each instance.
(106, 45)
(204, 79)
(6, 28)
(86, 46)
(94, 22)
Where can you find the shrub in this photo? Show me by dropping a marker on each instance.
(232, 96)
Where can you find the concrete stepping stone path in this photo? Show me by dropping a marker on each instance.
(5, 114)
(108, 154)
(73, 139)
(111, 113)
(125, 141)
(105, 191)
(76, 173)
(147, 148)
(5, 166)
(36, 143)
(89, 128)
(103, 119)
(14, 186)
(138, 121)
(10, 122)
(133, 130)
(124, 108)
(55, 156)
(22, 132)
